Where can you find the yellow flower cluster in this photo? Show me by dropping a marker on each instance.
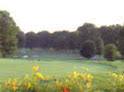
(27, 85)
(85, 77)
(35, 68)
(12, 84)
(37, 74)
(80, 81)
(119, 77)
(74, 75)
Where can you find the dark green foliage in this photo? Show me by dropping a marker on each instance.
(8, 31)
(110, 52)
(99, 46)
(88, 49)
(63, 40)
(31, 39)
(87, 31)
(44, 40)
(121, 41)
(109, 34)
(21, 39)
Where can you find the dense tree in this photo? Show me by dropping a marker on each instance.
(44, 40)
(8, 31)
(90, 32)
(110, 52)
(60, 40)
(109, 34)
(86, 32)
(99, 46)
(21, 39)
(30, 40)
(74, 40)
(121, 41)
(11, 37)
(88, 49)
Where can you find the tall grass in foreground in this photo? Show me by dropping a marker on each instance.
(74, 82)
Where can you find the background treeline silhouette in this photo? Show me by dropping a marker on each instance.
(65, 40)
(11, 37)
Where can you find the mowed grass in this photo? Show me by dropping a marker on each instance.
(57, 66)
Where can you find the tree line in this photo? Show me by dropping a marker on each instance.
(113, 34)
(12, 38)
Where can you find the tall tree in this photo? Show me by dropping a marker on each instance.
(110, 52)
(8, 31)
(60, 40)
(121, 41)
(110, 33)
(30, 40)
(88, 49)
(89, 32)
(21, 39)
(44, 39)
(99, 46)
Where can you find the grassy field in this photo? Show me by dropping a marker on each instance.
(57, 66)
(61, 65)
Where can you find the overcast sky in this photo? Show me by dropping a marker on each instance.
(54, 15)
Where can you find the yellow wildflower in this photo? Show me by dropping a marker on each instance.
(74, 75)
(90, 77)
(28, 85)
(36, 68)
(14, 85)
(114, 75)
(121, 77)
(39, 76)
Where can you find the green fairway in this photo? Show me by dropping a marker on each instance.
(56, 67)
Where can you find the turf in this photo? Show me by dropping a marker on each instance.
(56, 67)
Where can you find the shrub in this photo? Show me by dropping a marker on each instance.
(88, 50)
(110, 52)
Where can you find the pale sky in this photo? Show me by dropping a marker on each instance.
(55, 15)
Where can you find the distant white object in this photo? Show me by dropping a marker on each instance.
(25, 56)
(82, 57)
(97, 57)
